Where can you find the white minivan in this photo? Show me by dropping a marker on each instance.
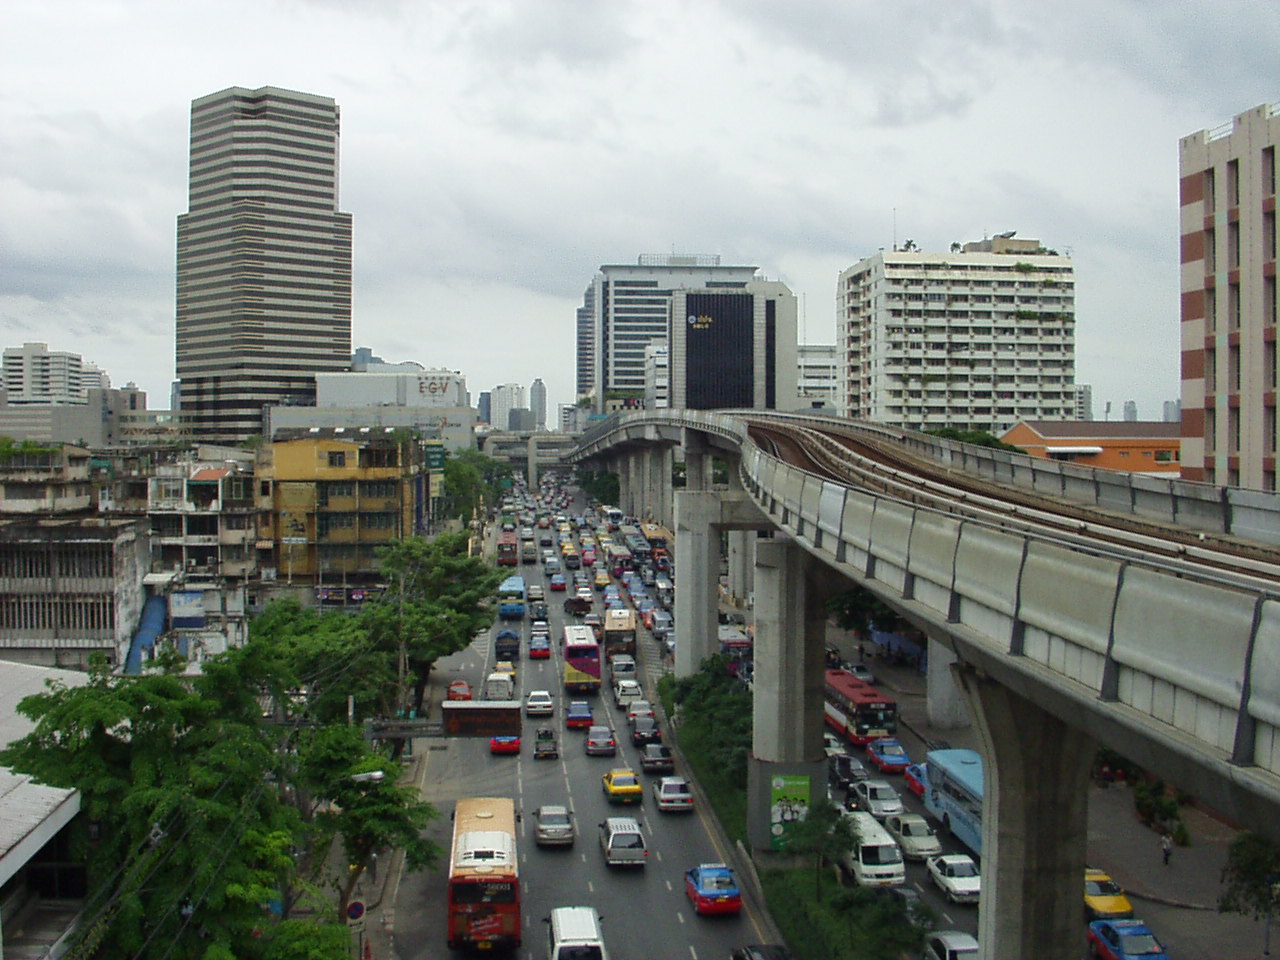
(875, 860)
(573, 933)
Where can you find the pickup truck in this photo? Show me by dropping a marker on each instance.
(626, 691)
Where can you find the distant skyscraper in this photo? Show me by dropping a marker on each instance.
(1172, 411)
(625, 309)
(1229, 350)
(264, 258)
(1130, 411)
(657, 377)
(538, 403)
(484, 406)
(1084, 401)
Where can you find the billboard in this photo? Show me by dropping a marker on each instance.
(719, 350)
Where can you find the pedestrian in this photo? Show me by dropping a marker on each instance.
(1166, 846)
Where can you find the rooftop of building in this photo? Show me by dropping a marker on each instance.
(1105, 429)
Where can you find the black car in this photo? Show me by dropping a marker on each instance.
(538, 611)
(657, 758)
(645, 730)
(843, 771)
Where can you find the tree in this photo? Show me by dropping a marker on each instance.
(857, 609)
(365, 806)
(979, 438)
(602, 485)
(437, 599)
(1251, 876)
(825, 834)
(472, 482)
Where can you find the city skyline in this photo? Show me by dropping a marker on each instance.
(496, 155)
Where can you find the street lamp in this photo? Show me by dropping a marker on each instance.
(373, 776)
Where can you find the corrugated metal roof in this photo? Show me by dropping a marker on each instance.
(1106, 429)
(210, 473)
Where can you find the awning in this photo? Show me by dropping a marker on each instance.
(1052, 450)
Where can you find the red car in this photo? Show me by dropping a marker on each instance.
(578, 716)
(888, 755)
(458, 690)
(539, 648)
(588, 558)
(711, 888)
(914, 777)
(504, 744)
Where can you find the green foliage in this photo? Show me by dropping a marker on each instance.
(979, 438)
(825, 836)
(602, 485)
(856, 609)
(1251, 876)
(472, 483)
(843, 923)
(1023, 267)
(1153, 804)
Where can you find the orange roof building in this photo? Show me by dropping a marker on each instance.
(1136, 446)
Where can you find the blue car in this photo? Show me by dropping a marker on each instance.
(1124, 940)
(888, 755)
(711, 888)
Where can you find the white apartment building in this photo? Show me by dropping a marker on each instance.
(975, 339)
(35, 374)
(657, 377)
(625, 309)
(820, 377)
(1227, 196)
(1084, 401)
(502, 400)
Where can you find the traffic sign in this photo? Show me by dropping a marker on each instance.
(355, 909)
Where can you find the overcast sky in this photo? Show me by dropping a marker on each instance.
(494, 154)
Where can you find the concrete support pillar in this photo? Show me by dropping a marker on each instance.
(533, 463)
(697, 461)
(742, 561)
(1034, 823)
(787, 711)
(697, 576)
(631, 500)
(647, 472)
(946, 705)
(666, 505)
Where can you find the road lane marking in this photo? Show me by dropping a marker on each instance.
(680, 915)
(669, 885)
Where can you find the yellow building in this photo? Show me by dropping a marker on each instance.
(327, 501)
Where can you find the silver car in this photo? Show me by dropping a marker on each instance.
(553, 826)
(877, 798)
(601, 742)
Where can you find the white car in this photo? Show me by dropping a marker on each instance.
(539, 704)
(957, 876)
(672, 793)
(914, 835)
(877, 798)
(862, 672)
(627, 692)
(831, 744)
(638, 708)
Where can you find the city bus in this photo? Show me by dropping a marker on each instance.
(619, 557)
(508, 549)
(856, 710)
(511, 598)
(661, 542)
(483, 899)
(612, 516)
(620, 632)
(581, 659)
(953, 794)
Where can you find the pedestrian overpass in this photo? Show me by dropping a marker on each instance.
(1057, 638)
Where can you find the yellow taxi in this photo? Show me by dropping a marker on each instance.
(1104, 899)
(603, 579)
(507, 667)
(622, 786)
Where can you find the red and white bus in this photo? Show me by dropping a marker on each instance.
(484, 882)
(856, 710)
(508, 549)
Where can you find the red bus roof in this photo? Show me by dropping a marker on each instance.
(856, 691)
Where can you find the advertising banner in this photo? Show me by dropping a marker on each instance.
(788, 804)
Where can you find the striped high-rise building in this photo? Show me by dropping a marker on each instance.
(1230, 309)
(264, 259)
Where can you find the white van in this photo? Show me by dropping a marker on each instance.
(875, 860)
(574, 934)
(499, 686)
(622, 666)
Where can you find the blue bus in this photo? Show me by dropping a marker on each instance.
(953, 794)
(511, 599)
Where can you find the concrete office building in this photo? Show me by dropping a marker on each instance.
(35, 374)
(627, 306)
(1229, 356)
(264, 258)
(538, 403)
(820, 377)
(975, 339)
(733, 349)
